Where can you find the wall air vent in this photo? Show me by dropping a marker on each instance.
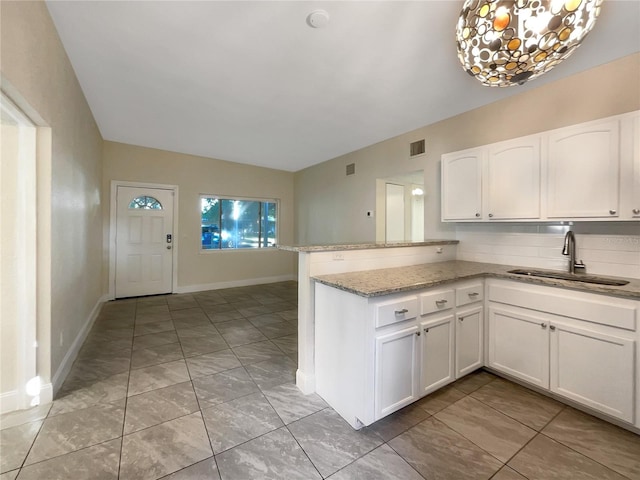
(351, 169)
(417, 148)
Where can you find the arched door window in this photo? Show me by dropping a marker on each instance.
(145, 202)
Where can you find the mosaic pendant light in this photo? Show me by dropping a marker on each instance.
(508, 42)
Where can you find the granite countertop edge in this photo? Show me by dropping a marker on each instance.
(379, 282)
(364, 246)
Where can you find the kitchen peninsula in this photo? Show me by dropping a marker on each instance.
(316, 260)
(386, 337)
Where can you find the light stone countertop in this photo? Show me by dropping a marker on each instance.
(364, 246)
(373, 283)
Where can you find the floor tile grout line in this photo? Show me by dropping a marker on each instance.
(206, 429)
(304, 451)
(468, 439)
(400, 455)
(33, 442)
(63, 455)
(511, 417)
(126, 400)
(581, 453)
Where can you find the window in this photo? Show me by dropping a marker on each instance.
(146, 203)
(229, 223)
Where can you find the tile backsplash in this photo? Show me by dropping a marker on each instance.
(540, 246)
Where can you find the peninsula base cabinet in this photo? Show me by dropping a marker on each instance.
(377, 355)
(580, 346)
(396, 375)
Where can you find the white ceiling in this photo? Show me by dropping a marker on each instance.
(251, 82)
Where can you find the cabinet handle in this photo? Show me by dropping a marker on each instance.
(440, 302)
(418, 333)
(543, 325)
(426, 330)
(462, 319)
(636, 211)
(400, 312)
(552, 328)
(477, 215)
(491, 215)
(612, 212)
(474, 294)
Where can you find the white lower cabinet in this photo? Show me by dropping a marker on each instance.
(437, 361)
(376, 355)
(519, 344)
(588, 355)
(396, 370)
(469, 341)
(593, 369)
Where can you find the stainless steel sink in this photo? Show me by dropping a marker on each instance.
(573, 277)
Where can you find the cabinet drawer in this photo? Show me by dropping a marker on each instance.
(608, 311)
(437, 301)
(469, 294)
(398, 310)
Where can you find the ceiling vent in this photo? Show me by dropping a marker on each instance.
(417, 148)
(351, 169)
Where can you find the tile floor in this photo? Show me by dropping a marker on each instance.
(201, 387)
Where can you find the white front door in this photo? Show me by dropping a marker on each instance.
(144, 241)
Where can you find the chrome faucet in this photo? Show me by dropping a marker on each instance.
(570, 250)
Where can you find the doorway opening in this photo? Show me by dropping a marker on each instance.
(400, 199)
(19, 383)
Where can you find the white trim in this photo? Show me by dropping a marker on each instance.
(305, 382)
(65, 366)
(9, 401)
(112, 231)
(234, 283)
(46, 393)
(21, 236)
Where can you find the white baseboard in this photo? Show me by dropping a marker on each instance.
(305, 382)
(235, 283)
(11, 401)
(65, 366)
(46, 393)
(8, 401)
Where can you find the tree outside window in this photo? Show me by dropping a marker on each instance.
(229, 223)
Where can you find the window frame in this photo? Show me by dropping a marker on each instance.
(220, 198)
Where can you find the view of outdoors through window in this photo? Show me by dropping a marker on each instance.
(230, 223)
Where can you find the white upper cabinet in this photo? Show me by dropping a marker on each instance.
(513, 179)
(635, 176)
(462, 185)
(587, 172)
(630, 167)
(583, 171)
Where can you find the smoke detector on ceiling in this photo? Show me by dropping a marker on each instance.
(318, 19)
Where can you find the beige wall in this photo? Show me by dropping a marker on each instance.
(35, 68)
(331, 207)
(195, 176)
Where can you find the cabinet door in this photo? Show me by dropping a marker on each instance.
(462, 185)
(583, 171)
(396, 370)
(437, 363)
(469, 341)
(513, 170)
(594, 369)
(635, 175)
(519, 344)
